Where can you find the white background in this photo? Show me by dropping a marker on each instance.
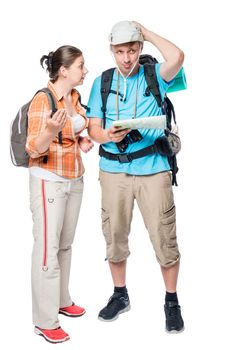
(204, 198)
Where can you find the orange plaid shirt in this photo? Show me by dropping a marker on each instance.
(63, 160)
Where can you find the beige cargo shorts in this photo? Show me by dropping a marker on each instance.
(154, 196)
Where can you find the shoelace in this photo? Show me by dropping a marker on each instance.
(173, 310)
(115, 299)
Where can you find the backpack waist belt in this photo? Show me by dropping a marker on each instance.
(128, 157)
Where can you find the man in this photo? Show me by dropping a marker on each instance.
(146, 179)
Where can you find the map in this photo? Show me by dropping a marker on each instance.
(157, 122)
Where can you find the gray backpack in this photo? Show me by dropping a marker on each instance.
(19, 130)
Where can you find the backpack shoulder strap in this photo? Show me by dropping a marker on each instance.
(79, 100)
(53, 107)
(152, 82)
(169, 110)
(50, 98)
(84, 106)
(153, 87)
(106, 80)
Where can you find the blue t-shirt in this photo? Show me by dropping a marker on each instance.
(146, 106)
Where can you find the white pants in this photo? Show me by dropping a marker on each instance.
(55, 209)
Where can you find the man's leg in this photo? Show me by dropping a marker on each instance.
(174, 321)
(119, 302)
(118, 272)
(170, 276)
(155, 199)
(117, 206)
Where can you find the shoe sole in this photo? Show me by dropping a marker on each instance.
(38, 332)
(174, 331)
(70, 315)
(127, 308)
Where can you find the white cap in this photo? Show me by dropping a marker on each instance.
(125, 32)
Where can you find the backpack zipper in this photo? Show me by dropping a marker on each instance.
(11, 149)
(19, 121)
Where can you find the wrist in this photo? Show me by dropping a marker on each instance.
(51, 134)
(108, 138)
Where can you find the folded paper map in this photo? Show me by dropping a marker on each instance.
(157, 122)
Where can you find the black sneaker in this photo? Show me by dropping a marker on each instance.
(117, 304)
(174, 320)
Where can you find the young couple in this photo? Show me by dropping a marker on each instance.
(56, 177)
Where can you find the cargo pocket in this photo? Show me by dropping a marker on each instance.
(106, 226)
(168, 227)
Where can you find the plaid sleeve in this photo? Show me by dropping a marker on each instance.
(36, 123)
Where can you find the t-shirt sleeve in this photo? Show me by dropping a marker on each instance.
(163, 85)
(95, 100)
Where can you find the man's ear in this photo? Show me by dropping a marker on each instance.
(141, 46)
(110, 48)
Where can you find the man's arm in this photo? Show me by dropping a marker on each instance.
(100, 135)
(174, 57)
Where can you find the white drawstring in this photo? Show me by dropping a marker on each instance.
(125, 78)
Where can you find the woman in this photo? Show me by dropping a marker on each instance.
(56, 187)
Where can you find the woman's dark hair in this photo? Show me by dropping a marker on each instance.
(63, 56)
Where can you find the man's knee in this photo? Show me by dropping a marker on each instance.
(168, 262)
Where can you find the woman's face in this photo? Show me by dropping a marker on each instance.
(76, 72)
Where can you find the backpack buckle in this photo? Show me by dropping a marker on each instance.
(124, 158)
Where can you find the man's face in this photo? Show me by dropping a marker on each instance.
(126, 55)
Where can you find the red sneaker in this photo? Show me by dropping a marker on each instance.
(52, 335)
(72, 311)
